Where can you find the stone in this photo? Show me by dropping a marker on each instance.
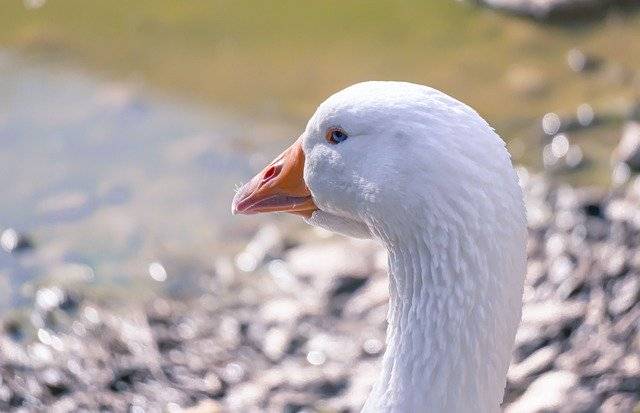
(628, 149)
(13, 241)
(581, 399)
(326, 388)
(276, 343)
(233, 373)
(629, 365)
(281, 311)
(347, 258)
(374, 294)
(553, 314)
(336, 347)
(620, 402)
(346, 285)
(549, 9)
(245, 397)
(614, 263)
(529, 339)
(125, 378)
(625, 294)
(548, 392)
(55, 382)
(49, 298)
(607, 383)
(341, 290)
(268, 242)
(537, 363)
(577, 60)
(372, 346)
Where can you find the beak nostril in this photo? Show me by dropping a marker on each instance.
(271, 173)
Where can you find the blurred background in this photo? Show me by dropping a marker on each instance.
(125, 127)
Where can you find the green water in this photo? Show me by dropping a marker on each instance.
(283, 57)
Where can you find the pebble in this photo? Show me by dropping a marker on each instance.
(55, 382)
(538, 362)
(268, 242)
(556, 10)
(620, 402)
(628, 149)
(316, 358)
(157, 272)
(373, 346)
(553, 313)
(585, 115)
(13, 241)
(233, 373)
(355, 258)
(546, 393)
(551, 123)
(49, 298)
(580, 61)
(276, 343)
(626, 293)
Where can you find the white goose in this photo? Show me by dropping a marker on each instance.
(426, 176)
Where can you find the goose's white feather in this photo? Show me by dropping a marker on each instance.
(428, 177)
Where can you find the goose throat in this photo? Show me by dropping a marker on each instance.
(446, 325)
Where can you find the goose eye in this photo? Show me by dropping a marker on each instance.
(336, 135)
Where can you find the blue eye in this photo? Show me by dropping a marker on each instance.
(335, 135)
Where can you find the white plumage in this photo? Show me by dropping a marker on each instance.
(426, 176)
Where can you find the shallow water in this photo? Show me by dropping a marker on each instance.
(107, 179)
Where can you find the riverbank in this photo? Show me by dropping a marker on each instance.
(300, 327)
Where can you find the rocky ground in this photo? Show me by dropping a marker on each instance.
(558, 10)
(289, 328)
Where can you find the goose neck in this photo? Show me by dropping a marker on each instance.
(441, 353)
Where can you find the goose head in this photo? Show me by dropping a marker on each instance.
(426, 176)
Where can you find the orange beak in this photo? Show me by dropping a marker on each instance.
(279, 187)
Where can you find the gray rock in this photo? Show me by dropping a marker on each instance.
(341, 290)
(528, 340)
(578, 60)
(356, 258)
(267, 243)
(607, 383)
(581, 399)
(537, 363)
(276, 343)
(13, 241)
(628, 149)
(548, 392)
(553, 314)
(625, 294)
(620, 402)
(549, 9)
